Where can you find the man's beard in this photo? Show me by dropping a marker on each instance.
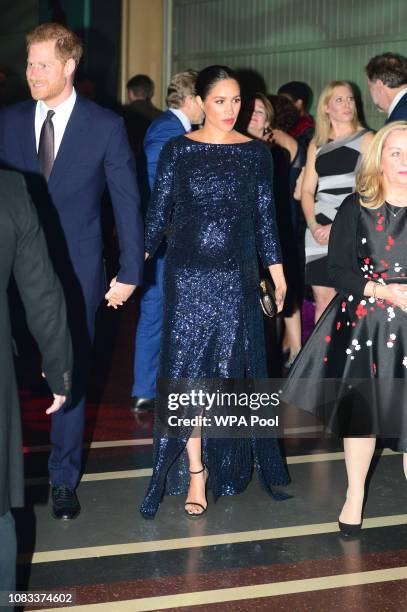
(49, 92)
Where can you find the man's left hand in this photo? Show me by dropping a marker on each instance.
(118, 293)
(59, 401)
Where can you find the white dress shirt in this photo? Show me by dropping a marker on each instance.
(60, 119)
(396, 100)
(182, 117)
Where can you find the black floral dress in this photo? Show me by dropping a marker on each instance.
(352, 372)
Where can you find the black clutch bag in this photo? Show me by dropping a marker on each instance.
(267, 298)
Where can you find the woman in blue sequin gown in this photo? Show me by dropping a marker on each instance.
(213, 198)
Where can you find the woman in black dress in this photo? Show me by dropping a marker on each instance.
(269, 119)
(352, 372)
(213, 196)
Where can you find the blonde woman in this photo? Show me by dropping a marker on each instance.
(330, 174)
(352, 372)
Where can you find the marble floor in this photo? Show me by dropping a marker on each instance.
(248, 552)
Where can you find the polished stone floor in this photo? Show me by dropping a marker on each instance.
(247, 553)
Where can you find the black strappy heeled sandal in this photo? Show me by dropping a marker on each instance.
(192, 503)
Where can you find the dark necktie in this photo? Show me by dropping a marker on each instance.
(46, 145)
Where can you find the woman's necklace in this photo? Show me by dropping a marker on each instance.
(392, 211)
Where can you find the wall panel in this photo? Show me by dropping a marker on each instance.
(313, 40)
(142, 40)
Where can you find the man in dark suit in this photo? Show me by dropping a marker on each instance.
(23, 251)
(138, 116)
(183, 111)
(387, 81)
(140, 111)
(69, 148)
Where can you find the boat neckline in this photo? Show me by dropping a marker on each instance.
(218, 144)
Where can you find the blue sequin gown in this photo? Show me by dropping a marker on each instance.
(215, 204)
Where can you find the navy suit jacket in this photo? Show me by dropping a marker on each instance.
(399, 113)
(162, 129)
(94, 151)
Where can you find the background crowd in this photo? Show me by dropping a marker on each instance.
(315, 163)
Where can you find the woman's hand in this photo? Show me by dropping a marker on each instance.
(280, 286)
(321, 233)
(395, 293)
(280, 293)
(118, 293)
(315, 229)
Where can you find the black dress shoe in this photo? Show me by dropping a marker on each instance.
(142, 404)
(348, 530)
(65, 503)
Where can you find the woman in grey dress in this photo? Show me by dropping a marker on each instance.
(330, 175)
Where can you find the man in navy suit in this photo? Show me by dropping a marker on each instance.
(183, 111)
(387, 81)
(68, 149)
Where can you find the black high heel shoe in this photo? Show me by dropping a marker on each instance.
(192, 503)
(351, 530)
(348, 530)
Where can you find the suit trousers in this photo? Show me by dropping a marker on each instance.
(149, 327)
(68, 424)
(8, 554)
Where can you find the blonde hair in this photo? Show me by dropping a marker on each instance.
(369, 182)
(181, 86)
(323, 124)
(67, 44)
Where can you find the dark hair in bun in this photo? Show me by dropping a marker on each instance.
(209, 76)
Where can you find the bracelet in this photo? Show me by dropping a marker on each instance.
(312, 224)
(375, 285)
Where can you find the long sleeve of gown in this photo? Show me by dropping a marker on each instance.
(160, 207)
(342, 251)
(267, 239)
